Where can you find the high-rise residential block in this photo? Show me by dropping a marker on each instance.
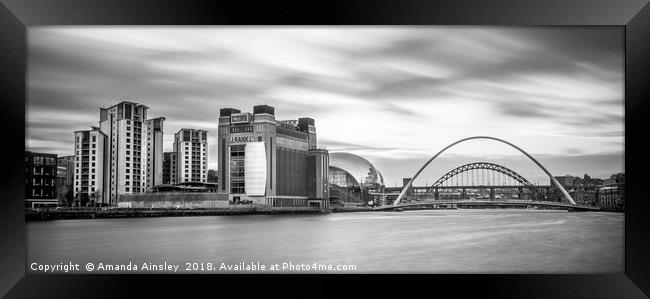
(121, 156)
(155, 152)
(191, 148)
(90, 168)
(170, 165)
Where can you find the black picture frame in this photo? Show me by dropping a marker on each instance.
(15, 15)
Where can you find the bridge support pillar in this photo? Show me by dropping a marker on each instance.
(491, 193)
(436, 195)
(520, 193)
(462, 196)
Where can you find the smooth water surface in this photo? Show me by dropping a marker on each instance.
(425, 241)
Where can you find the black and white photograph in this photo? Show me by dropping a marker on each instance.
(325, 149)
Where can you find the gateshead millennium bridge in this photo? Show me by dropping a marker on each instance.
(477, 187)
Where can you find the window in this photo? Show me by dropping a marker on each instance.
(128, 164)
(128, 176)
(94, 138)
(237, 150)
(93, 152)
(127, 189)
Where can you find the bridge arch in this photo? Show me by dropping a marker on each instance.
(555, 182)
(483, 165)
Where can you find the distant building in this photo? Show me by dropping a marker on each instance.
(170, 165)
(583, 190)
(614, 179)
(612, 194)
(566, 181)
(271, 162)
(65, 179)
(40, 179)
(586, 190)
(191, 147)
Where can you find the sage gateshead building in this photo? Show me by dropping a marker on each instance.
(354, 180)
(272, 162)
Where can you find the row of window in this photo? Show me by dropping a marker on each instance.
(41, 171)
(43, 182)
(92, 145)
(40, 160)
(42, 193)
(85, 164)
(94, 138)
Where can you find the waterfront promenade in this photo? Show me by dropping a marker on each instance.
(110, 212)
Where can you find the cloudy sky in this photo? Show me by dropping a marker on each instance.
(394, 95)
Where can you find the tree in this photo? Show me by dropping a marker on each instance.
(69, 196)
(212, 176)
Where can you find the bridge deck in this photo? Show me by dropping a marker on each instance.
(491, 203)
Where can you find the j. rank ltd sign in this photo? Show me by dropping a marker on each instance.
(242, 139)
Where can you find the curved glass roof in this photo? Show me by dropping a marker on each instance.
(361, 169)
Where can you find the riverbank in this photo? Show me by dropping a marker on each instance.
(96, 213)
(351, 209)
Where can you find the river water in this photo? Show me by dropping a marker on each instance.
(424, 241)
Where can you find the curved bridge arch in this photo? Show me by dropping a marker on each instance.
(483, 165)
(555, 182)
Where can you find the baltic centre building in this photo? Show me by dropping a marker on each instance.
(272, 162)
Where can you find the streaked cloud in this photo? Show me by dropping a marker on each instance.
(395, 95)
